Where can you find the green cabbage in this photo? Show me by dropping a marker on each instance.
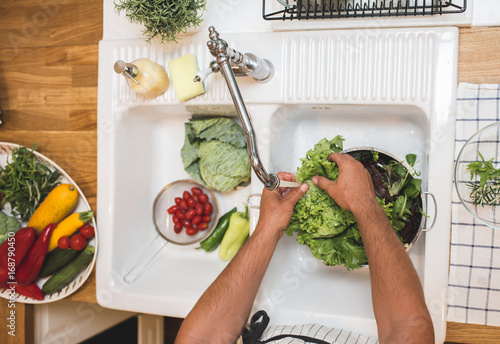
(215, 154)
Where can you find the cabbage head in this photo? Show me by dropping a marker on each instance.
(215, 154)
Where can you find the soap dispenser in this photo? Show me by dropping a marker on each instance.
(144, 76)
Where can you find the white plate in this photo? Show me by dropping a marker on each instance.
(82, 205)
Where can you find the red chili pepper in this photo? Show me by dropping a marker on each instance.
(12, 252)
(31, 265)
(29, 290)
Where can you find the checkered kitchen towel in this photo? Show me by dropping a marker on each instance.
(474, 281)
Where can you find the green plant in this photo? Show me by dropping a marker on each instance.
(486, 191)
(25, 182)
(163, 19)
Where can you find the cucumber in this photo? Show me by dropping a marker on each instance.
(56, 260)
(68, 273)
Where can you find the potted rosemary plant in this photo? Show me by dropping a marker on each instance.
(163, 19)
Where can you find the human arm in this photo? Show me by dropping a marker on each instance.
(220, 314)
(398, 298)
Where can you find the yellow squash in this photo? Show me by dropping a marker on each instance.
(69, 226)
(58, 204)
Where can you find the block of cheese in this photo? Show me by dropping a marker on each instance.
(182, 73)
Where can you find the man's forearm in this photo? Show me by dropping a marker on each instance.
(223, 310)
(398, 299)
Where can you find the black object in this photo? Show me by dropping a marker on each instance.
(258, 325)
(336, 9)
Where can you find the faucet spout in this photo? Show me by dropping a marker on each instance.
(224, 56)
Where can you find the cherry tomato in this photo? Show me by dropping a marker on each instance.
(203, 198)
(180, 214)
(175, 219)
(172, 209)
(63, 242)
(202, 226)
(196, 191)
(177, 227)
(195, 199)
(199, 209)
(186, 223)
(177, 200)
(78, 242)
(186, 195)
(87, 231)
(191, 203)
(191, 231)
(207, 210)
(184, 204)
(196, 220)
(206, 219)
(190, 214)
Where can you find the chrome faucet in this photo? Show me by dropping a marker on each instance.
(248, 64)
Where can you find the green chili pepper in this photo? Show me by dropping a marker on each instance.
(236, 235)
(213, 241)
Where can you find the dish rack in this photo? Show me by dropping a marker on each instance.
(335, 9)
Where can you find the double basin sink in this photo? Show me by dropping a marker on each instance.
(392, 89)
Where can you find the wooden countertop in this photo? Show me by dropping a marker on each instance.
(48, 94)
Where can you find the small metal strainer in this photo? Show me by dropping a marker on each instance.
(164, 225)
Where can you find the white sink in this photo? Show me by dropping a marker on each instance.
(288, 292)
(393, 89)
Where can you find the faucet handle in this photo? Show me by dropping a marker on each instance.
(214, 35)
(217, 46)
(203, 74)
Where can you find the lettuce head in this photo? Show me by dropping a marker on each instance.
(331, 232)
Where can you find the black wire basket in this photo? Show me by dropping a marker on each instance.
(336, 9)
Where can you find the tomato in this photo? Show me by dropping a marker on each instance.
(78, 242)
(180, 214)
(196, 220)
(63, 242)
(175, 219)
(196, 191)
(202, 226)
(186, 195)
(191, 231)
(203, 198)
(87, 231)
(177, 200)
(199, 209)
(206, 219)
(195, 199)
(208, 208)
(172, 209)
(184, 205)
(190, 214)
(177, 227)
(186, 223)
(191, 203)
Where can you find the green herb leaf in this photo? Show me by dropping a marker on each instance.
(25, 182)
(486, 191)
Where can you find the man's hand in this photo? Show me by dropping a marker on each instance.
(276, 207)
(353, 187)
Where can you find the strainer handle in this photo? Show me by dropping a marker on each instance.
(249, 200)
(144, 259)
(435, 211)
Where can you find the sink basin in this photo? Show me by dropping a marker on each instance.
(390, 89)
(284, 292)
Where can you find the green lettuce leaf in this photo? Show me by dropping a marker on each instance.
(331, 232)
